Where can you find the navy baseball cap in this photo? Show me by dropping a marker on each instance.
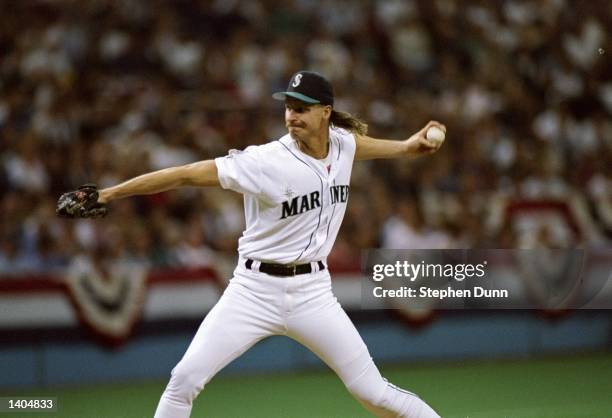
(309, 87)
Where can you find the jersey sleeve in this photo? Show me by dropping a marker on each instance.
(240, 171)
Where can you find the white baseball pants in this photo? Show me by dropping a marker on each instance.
(256, 305)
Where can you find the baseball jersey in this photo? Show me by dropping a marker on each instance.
(293, 203)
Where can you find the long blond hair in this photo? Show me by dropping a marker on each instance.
(349, 122)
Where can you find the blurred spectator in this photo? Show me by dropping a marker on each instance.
(407, 229)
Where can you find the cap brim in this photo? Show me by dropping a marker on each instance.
(281, 95)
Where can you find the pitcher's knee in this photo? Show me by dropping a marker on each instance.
(369, 392)
(185, 385)
(367, 399)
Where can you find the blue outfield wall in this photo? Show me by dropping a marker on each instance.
(451, 336)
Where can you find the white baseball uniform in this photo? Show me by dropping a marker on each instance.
(294, 205)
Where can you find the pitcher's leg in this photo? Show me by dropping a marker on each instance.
(331, 335)
(230, 328)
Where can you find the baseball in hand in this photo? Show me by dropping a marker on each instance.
(436, 135)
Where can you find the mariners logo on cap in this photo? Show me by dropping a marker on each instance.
(309, 87)
(296, 80)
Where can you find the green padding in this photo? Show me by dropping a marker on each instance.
(560, 387)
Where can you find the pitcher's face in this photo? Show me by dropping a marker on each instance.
(305, 120)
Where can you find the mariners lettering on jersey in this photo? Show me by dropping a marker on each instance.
(304, 203)
(338, 194)
(300, 204)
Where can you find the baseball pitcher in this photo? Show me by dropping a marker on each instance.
(295, 195)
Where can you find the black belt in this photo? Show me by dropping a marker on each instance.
(284, 269)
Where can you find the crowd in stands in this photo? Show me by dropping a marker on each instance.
(104, 90)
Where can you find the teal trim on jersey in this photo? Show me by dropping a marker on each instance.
(281, 96)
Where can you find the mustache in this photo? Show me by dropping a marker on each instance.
(294, 125)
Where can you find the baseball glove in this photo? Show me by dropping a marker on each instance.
(81, 203)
